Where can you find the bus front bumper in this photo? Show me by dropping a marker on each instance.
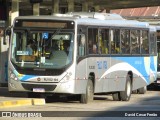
(61, 87)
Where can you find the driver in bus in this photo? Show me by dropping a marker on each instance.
(29, 48)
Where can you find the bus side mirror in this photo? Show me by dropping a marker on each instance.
(7, 35)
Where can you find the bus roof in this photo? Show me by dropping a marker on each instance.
(153, 28)
(97, 20)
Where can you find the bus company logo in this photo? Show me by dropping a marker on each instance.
(38, 79)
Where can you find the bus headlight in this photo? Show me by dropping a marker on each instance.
(68, 77)
(13, 76)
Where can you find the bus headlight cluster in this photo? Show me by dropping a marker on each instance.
(68, 76)
(13, 76)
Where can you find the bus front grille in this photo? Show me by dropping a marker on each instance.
(43, 73)
(31, 86)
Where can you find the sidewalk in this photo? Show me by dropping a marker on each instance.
(8, 99)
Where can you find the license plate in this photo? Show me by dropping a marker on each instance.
(38, 90)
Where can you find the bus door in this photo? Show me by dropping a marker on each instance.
(104, 60)
(114, 60)
(81, 67)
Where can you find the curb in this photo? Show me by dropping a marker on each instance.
(24, 102)
(38, 102)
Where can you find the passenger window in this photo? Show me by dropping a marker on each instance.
(104, 41)
(125, 41)
(144, 43)
(135, 41)
(81, 45)
(92, 40)
(153, 43)
(115, 41)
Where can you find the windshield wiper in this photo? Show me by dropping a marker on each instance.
(57, 31)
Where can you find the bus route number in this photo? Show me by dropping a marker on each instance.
(91, 67)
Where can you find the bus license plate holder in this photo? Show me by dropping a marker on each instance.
(38, 90)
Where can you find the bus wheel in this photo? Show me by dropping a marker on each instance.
(125, 95)
(116, 96)
(88, 97)
(142, 90)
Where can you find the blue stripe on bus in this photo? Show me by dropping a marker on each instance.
(142, 64)
(27, 77)
(23, 77)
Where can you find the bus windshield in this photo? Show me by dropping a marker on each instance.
(52, 49)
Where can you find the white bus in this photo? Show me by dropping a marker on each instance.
(81, 54)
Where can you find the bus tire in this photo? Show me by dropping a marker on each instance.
(125, 95)
(116, 96)
(142, 90)
(88, 97)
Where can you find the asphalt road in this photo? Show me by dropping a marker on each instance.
(141, 106)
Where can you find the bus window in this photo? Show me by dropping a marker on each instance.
(125, 41)
(92, 40)
(115, 40)
(81, 45)
(104, 41)
(153, 43)
(135, 41)
(144, 43)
